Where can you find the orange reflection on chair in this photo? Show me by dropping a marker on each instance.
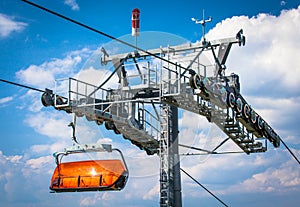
(91, 175)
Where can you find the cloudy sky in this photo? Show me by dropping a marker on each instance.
(37, 48)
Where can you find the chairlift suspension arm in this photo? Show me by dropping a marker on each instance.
(73, 125)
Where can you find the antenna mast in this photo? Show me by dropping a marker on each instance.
(203, 23)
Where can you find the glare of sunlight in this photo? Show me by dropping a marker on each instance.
(93, 172)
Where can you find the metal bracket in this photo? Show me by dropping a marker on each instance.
(103, 57)
(241, 38)
(79, 148)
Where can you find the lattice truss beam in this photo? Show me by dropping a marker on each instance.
(192, 78)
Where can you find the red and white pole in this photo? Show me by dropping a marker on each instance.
(135, 21)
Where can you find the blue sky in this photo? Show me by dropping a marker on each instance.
(37, 47)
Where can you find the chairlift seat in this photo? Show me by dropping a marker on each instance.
(91, 175)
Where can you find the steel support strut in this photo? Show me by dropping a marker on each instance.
(170, 181)
(175, 154)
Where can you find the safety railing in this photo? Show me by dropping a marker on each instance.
(76, 93)
(148, 121)
(142, 73)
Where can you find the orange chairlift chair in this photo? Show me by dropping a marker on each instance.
(88, 175)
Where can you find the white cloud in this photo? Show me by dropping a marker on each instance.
(95, 77)
(152, 193)
(88, 201)
(274, 171)
(12, 179)
(12, 159)
(292, 139)
(6, 99)
(36, 75)
(278, 179)
(55, 126)
(193, 121)
(46, 149)
(268, 64)
(281, 113)
(73, 4)
(51, 124)
(44, 75)
(41, 166)
(8, 25)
